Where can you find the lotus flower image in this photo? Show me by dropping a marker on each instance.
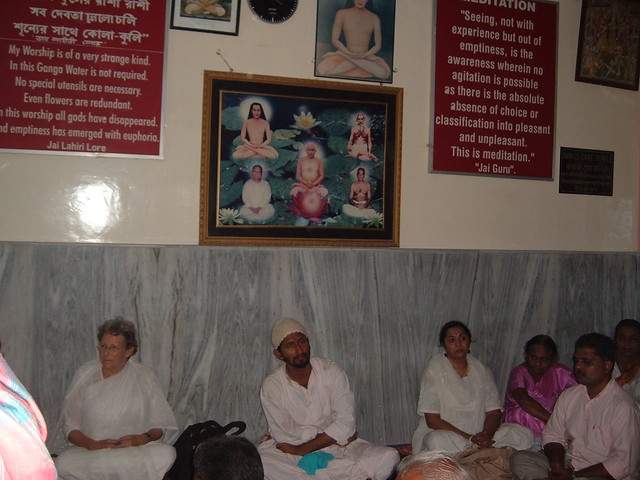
(229, 216)
(376, 221)
(305, 121)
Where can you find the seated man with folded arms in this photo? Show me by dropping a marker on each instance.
(310, 410)
(594, 430)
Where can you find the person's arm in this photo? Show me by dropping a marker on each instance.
(484, 439)
(79, 439)
(350, 142)
(247, 197)
(320, 178)
(343, 405)
(434, 422)
(243, 133)
(336, 31)
(493, 414)
(555, 453)
(554, 439)
(369, 144)
(321, 440)
(596, 470)
(377, 39)
(283, 429)
(137, 440)
(268, 134)
(529, 405)
(266, 193)
(299, 170)
(622, 426)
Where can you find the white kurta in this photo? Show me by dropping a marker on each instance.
(463, 402)
(130, 402)
(296, 415)
(604, 429)
(632, 387)
(256, 195)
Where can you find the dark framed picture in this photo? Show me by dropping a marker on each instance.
(354, 39)
(299, 162)
(609, 43)
(211, 16)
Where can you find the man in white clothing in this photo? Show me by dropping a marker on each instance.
(310, 410)
(594, 430)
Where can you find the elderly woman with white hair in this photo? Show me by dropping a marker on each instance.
(431, 466)
(115, 414)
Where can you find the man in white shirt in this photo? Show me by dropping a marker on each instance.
(594, 430)
(310, 410)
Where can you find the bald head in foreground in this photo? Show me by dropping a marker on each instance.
(431, 466)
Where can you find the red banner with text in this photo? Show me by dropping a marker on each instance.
(82, 75)
(495, 83)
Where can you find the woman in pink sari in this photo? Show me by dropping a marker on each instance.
(535, 385)
(23, 432)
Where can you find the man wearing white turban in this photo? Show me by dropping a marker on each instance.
(310, 410)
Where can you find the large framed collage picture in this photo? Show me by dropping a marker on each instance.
(299, 162)
(609, 43)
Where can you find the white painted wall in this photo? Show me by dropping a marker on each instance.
(43, 197)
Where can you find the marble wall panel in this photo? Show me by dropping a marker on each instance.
(620, 288)
(16, 308)
(514, 298)
(68, 304)
(204, 316)
(580, 300)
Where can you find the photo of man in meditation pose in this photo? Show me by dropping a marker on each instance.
(256, 135)
(308, 194)
(360, 144)
(356, 35)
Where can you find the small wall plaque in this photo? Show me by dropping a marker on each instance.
(586, 172)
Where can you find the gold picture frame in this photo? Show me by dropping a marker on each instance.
(290, 161)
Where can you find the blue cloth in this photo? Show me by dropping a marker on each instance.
(315, 461)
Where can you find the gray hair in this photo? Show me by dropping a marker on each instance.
(119, 326)
(433, 465)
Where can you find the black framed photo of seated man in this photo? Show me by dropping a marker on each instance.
(354, 39)
(210, 16)
(299, 162)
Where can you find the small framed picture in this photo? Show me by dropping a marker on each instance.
(609, 43)
(211, 16)
(354, 40)
(299, 162)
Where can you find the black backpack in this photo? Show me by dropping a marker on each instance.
(189, 440)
